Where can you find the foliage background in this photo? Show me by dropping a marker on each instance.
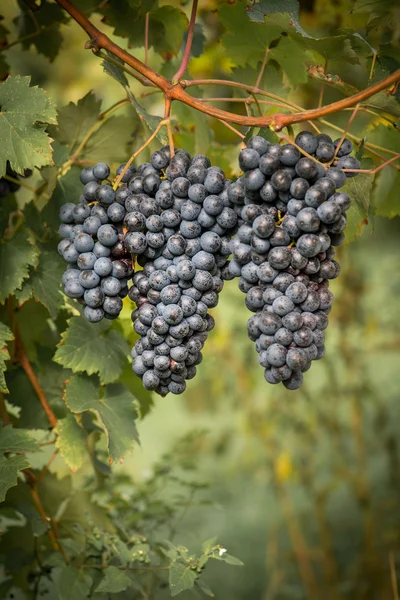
(302, 487)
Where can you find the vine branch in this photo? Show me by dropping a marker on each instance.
(176, 91)
(186, 55)
(27, 367)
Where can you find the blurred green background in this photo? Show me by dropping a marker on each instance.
(304, 487)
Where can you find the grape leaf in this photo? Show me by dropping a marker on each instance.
(75, 121)
(116, 72)
(48, 20)
(205, 588)
(114, 406)
(167, 25)
(181, 577)
(258, 11)
(143, 397)
(384, 101)
(44, 283)
(25, 113)
(16, 256)
(94, 348)
(248, 48)
(382, 14)
(386, 193)
(114, 581)
(151, 121)
(68, 189)
(359, 190)
(73, 584)
(285, 16)
(111, 141)
(71, 442)
(17, 440)
(9, 468)
(4, 66)
(198, 41)
(6, 335)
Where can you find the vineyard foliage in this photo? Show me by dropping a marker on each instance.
(74, 524)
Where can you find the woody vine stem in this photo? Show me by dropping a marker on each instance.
(176, 89)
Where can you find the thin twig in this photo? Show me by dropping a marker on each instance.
(170, 138)
(135, 154)
(373, 171)
(232, 129)
(27, 367)
(3, 411)
(393, 576)
(47, 466)
(371, 73)
(349, 122)
(321, 92)
(264, 62)
(186, 55)
(19, 182)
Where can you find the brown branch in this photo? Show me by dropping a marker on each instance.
(99, 40)
(27, 367)
(186, 55)
(3, 411)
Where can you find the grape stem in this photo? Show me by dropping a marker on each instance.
(31, 375)
(135, 154)
(186, 55)
(176, 91)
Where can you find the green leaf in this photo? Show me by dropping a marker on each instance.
(44, 283)
(94, 348)
(167, 24)
(16, 256)
(113, 405)
(48, 19)
(73, 584)
(25, 113)
(6, 335)
(114, 581)
(75, 121)
(208, 545)
(71, 442)
(204, 587)
(143, 397)
(17, 440)
(359, 189)
(116, 72)
(68, 189)
(9, 468)
(198, 41)
(231, 560)
(258, 11)
(110, 141)
(181, 577)
(151, 121)
(386, 193)
(248, 48)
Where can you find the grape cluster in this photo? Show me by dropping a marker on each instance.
(179, 225)
(99, 266)
(9, 187)
(291, 218)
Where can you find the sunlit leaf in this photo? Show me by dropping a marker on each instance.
(6, 335)
(25, 113)
(71, 442)
(94, 348)
(113, 404)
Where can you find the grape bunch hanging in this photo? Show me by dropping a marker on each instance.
(180, 220)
